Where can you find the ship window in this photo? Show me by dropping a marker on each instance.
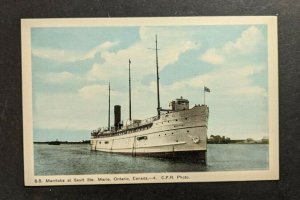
(186, 118)
(182, 102)
(172, 133)
(176, 119)
(187, 131)
(165, 134)
(142, 138)
(106, 142)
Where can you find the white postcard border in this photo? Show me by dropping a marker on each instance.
(270, 174)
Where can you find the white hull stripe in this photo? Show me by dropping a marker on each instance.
(168, 144)
(148, 133)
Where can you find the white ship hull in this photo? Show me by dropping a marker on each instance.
(179, 134)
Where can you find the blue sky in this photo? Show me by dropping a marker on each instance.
(71, 68)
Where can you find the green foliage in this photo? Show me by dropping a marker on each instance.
(217, 139)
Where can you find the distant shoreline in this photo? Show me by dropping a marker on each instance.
(88, 142)
(237, 142)
(65, 142)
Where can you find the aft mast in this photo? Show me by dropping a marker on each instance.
(109, 106)
(129, 92)
(157, 79)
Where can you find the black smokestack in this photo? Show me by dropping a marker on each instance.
(117, 111)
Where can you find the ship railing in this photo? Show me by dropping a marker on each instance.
(95, 133)
(148, 120)
(104, 132)
(124, 131)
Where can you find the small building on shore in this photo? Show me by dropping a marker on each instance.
(265, 140)
(249, 141)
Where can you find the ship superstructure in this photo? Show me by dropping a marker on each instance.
(176, 132)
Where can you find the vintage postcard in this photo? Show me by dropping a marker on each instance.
(150, 100)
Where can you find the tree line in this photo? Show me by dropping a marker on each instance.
(217, 139)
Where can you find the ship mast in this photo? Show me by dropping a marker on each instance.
(109, 106)
(129, 92)
(157, 79)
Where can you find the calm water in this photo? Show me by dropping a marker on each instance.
(68, 159)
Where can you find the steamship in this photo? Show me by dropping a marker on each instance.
(179, 132)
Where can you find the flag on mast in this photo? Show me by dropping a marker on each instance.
(206, 89)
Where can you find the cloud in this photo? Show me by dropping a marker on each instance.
(248, 91)
(79, 110)
(142, 55)
(66, 111)
(98, 71)
(91, 91)
(211, 56)
(86, 109)
(249, 41)
(62, 55)
(246, 43)
(233, 89)
(57, 78)
(232, 93)
(226, 81)
(58, 55)
(99, 49)
(115, 63)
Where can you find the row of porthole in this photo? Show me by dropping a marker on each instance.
(169, 121)
(166, 134)
(106, 142)
(173, 133)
